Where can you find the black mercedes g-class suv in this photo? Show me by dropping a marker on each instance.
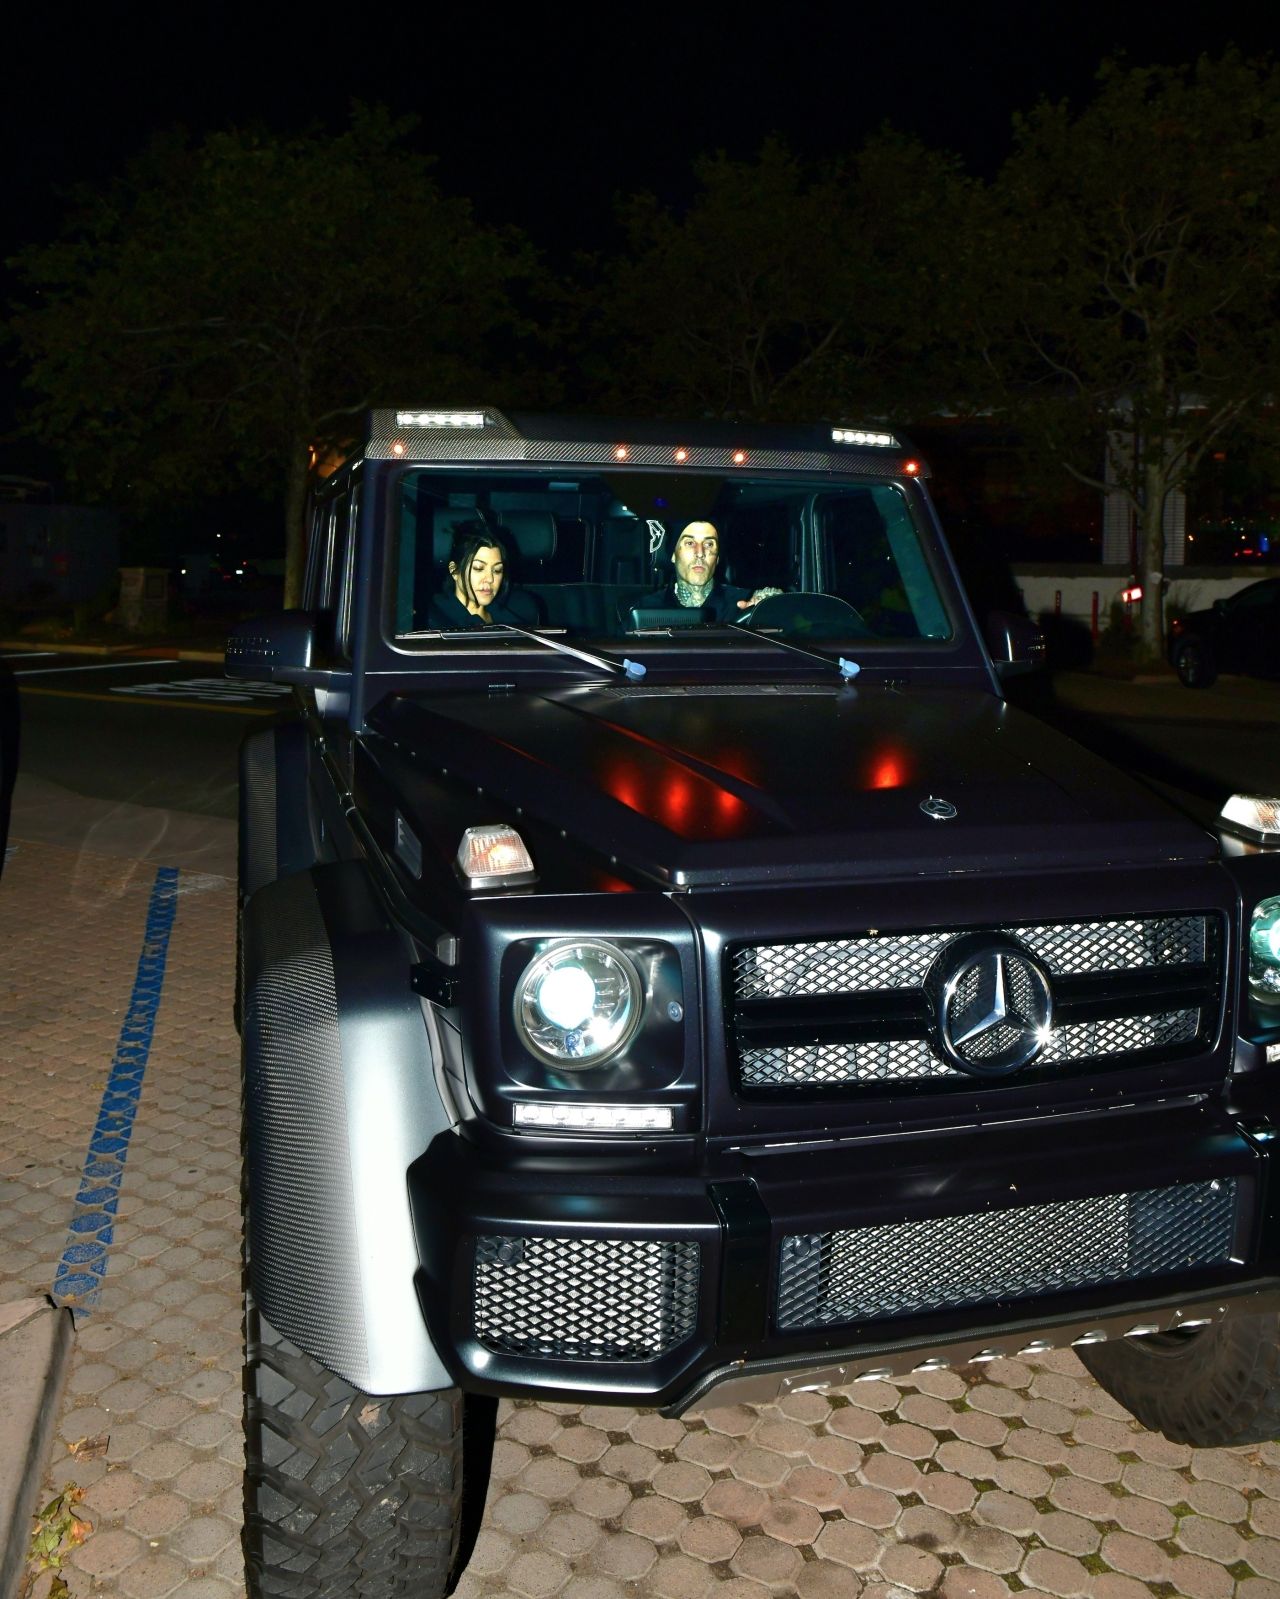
(672, 973)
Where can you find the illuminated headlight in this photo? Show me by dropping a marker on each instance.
(578, 1004)
(1255, 817)
(1264, 951)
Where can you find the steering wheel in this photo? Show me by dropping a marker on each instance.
(810, 614)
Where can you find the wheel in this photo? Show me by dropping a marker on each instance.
(348, 1494)
(1209, 1386)
(1194, 663)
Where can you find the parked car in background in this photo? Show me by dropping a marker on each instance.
(1237, 634)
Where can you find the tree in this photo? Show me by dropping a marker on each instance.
(1130, 293)
(783, 290)
(231, 306)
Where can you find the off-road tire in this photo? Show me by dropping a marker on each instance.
(346, 1494)
(1194, 663)
(1211, 1388)
(237, 1001)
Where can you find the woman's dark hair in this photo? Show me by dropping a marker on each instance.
(468, 537)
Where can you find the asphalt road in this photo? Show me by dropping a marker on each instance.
(153, 732)
(1196, 749)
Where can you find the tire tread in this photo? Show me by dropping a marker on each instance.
(1222, 1389)
(344, 1493)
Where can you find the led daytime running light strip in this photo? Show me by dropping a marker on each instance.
(594, 1118)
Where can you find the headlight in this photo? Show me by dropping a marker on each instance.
(1264, 951)
(578, 1004)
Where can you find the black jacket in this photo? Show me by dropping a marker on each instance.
(721, 605)
(448, 611)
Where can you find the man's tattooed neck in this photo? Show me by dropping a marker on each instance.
(693, 593)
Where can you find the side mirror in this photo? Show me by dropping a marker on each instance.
(279, 649)
(1016, 644)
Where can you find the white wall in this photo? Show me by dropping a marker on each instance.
(1185, 590)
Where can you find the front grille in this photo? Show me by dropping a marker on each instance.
(585, 1298)
(854, 1013)
(902, 960)
(870, 1273)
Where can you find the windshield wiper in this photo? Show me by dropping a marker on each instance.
(848, 670)
(633, 670)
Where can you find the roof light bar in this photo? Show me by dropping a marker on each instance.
(885, 441)
(577, 1117)
(440, 419)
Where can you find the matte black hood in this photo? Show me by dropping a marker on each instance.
(699, 786)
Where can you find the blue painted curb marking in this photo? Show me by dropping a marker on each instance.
(78, 1279)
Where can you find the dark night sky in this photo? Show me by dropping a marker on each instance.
(541, 114)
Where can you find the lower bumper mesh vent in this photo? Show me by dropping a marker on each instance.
(866, 1273)
(585, 1298)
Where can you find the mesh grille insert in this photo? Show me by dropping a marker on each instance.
(863, 1012)
(865, 1273)
(904, 1060)
(585, 1298)
(901, 960)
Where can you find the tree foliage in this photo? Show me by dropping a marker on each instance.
(232, 304)
(782, 290)
(1131, 289)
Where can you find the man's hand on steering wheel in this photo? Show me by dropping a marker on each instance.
(760, 594)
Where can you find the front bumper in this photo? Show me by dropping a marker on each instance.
(771, 1270)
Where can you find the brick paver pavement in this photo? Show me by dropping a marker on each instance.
(1018, 1477)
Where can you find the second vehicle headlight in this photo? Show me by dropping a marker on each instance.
(578, 1004)
(1264, 951)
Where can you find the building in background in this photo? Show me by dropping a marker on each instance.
(51, 553)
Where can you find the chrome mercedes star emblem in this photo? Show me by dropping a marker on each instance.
(993, 1006)
(941, 810)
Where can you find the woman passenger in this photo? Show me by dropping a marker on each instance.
(477, 591)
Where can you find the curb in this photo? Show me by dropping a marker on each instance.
(139, 651)
(35, 1344)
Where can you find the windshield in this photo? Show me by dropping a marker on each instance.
(634, 555)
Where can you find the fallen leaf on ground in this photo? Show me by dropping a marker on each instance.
(90, 1448)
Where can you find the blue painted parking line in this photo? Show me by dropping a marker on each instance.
(80, 1273)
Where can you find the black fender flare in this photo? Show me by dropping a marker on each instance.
(340, 1099)
(276, 833)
